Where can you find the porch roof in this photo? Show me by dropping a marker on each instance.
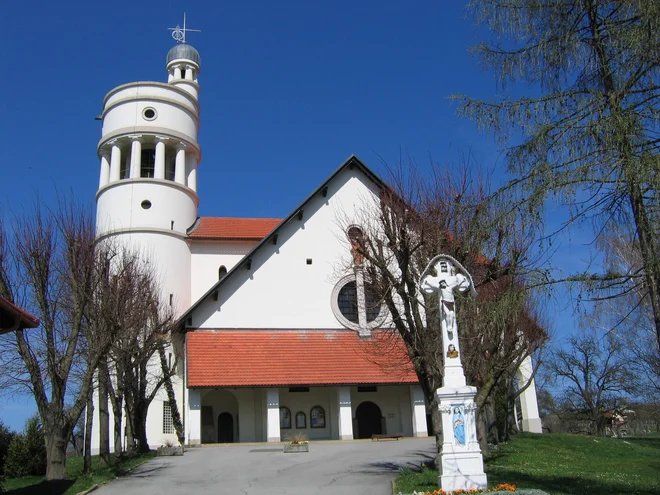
(242, 358)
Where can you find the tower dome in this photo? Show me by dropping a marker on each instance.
(183, 51)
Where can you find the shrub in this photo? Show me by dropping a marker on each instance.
(27, 452)
(6, 436)
(297, 438)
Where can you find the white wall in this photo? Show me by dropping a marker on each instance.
(281, 290)
(208, 256)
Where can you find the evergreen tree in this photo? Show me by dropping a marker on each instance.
(591, 137)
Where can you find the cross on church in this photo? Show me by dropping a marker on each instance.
(179, 33)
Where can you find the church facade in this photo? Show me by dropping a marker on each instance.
(278, 333)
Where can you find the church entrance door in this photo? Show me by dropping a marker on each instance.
(225, 428)
(369, 420)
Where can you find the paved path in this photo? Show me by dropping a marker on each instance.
(330, 468)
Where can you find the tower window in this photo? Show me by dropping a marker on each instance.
(125, 169)
(146, 204)
(222, 271)
(148, 163)
(169, 164)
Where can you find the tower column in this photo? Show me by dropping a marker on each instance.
(115, 162)
(530, 409)
(418, 407)
(160, 160)
(191, 167)
(345, 413)
(136, 158)
(105, 169)
(180, 166)
(272, 414)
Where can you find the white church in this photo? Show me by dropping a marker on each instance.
(277, 337)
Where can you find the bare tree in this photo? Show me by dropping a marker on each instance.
(50, 264)
(130, 306)
(449, 213)
(594, 375)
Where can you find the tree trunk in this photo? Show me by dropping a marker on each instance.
(104, 418)
(130, 430)
(116, 413)
(89, 424)
(141, 425)
(56, 441)
(171, 397)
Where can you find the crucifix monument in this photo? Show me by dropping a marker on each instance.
(461, 462)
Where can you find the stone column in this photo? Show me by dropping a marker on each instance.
(273, 415)
(160, 160)
(180, 166)
(418, 409)
(345, 413)
(115, 162)
(361, 302)
(531, 421)
(136, 158)
(194, 421)
(105, 169)
(191, 167)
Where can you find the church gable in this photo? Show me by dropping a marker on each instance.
(290, 279)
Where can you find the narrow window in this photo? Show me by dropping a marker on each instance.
(285, 418)
(168, 425)
(148, 163)
(317, 417)
(169, 164)
(125, 169)
(356, 237)
(222, 271)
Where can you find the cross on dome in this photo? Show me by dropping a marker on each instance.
(179, 33)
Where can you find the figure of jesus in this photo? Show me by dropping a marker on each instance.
(447, 280)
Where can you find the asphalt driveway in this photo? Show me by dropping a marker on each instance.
(341, 468)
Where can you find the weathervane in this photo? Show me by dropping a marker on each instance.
(179, 33)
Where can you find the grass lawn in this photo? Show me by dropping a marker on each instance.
(565, 464)
(77, 481)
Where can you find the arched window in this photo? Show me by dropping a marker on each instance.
(301, 420)
(285, 418)
(222, 271)
(317, 417)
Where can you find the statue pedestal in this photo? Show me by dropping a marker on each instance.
(461, 462)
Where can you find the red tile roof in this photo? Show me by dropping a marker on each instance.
(234, 228)
(13, 318)
(232, 358)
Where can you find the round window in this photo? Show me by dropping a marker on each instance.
(346, 304)
(149, 113)
(146, 204)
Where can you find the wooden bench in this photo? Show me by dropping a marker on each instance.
(383, 436)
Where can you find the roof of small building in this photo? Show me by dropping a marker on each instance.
(248, 358)
(14, 318)
(233, 228)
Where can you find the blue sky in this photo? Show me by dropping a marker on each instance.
(289, 90)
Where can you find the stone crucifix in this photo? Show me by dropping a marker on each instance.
(461, 466)
(445, 275)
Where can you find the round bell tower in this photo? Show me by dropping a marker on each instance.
(147, 196)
